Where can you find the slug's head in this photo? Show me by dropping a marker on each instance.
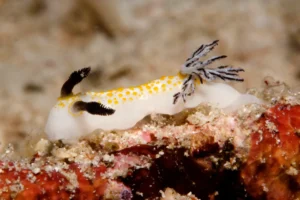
(67, 119)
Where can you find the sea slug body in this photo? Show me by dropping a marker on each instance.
(76, 115)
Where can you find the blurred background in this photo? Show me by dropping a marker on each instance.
(130, 42)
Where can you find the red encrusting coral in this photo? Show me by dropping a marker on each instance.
(43, 184)
(272, 168)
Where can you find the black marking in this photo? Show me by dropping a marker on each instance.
(223, 67)
(188, 64)
(227, 73)
(199, 76)
(236, 70)
(217, 58)
(202, 47)
(198, 50)
(93, 108)
(183, 97)
(211, 60)
(176, 96)
(214, 42)
(227, 78)
(187, 80)
(205, 73)
(229, 69)
(184, 87)
(75, 78)
(217, 75)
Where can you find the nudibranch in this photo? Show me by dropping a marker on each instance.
(76, 115)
